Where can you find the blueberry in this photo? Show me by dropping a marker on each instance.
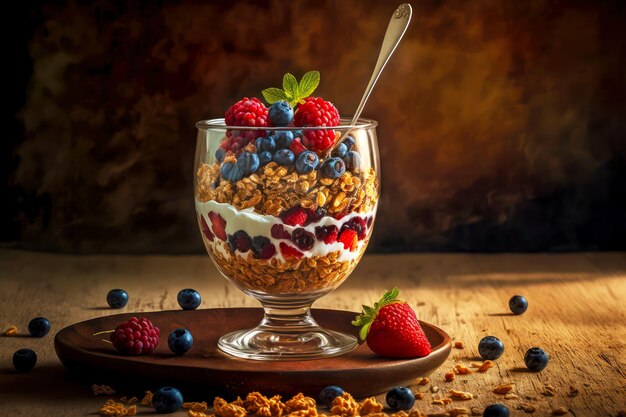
(400, 398)
(352, 160)
(518, 304)
(280, 113)
(536, 359)
(265, 157)
(180, 341)
(490, 348)
(496, 410)
(24, 360)
(220, 154)
(231, 172)
(284, 157)
(297, 134)
(341, 150)
(307, 162)
(167, 400)
(283, 138)
(39, 327)
(349, 142)
(248, 162)
(257, 143)
(117, 298)
(328, 394)
(333, 167)
(262, 247)
(189, 299)
(267, 144)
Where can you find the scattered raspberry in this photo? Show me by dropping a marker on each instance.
(295, 216)
(218, 224)
(279, 232)
(135, 337)
(358, 225)
(206, 231)
(349, 239)
(289, 251)
(315, 111)
(327, 233)
(297, 147)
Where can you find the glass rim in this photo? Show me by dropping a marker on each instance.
(344, 125)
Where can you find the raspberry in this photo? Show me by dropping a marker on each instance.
(327, 233)
(295, 216)
(135, 337)
(279, 232)
(304, 240)
(358, 225)
(218, 224)
(349, 239)
(290, 251)
(247, 112)
(315, 111)
(297, 147)
(206, 231)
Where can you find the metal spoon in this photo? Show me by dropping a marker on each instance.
(397, 26)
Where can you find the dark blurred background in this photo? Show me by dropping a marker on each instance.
(502, 123)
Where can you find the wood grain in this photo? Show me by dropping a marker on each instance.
(576, 313)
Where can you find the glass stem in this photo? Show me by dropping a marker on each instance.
(288, 317)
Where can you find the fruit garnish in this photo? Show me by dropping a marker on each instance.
(315, 111)
(293, 92)
(135, 337)
(391, 328)
(289, 251)
(247, 112)
(218, 225)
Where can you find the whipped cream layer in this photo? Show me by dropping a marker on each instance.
(255, 224)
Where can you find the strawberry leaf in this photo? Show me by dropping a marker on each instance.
(272, 95)
(308, 83)
(364, 331)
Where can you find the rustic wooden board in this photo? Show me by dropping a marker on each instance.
(207, 369)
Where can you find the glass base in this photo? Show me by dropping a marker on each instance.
(262, 343)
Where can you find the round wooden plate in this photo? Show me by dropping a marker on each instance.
(205, 369)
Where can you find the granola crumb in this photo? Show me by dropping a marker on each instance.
(503, 389)
(102, 390)
(434, 389)
(196, 406)
(419, 395)
(549, 391)
(458, 412)
(438, 414)
(224, 409)
(11, 331)
(476, 411)
(147, 399)
(462, 370)
(370, 406)
(561, 411)
(460, 395)
(449, 376)
(192, 413)
(527, 408)
(422, 381)
(115, 409)
(459, 345)
(345, 406)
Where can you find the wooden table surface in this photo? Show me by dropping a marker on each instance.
(576, 314)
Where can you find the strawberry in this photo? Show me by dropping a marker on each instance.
(391, 328)
(219, 225)
(349, 238)
(290, 251)
(205, 229)
(295, 216)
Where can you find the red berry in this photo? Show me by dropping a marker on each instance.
(315, 111)
(349, 238)
(279, 232)
(206, 231)
(358, 225)
(297, 147)
(391, 329)
(136, 337)
(295, 216)
(218, 225)
(240, 241)
(327, 233)
(304, 240)
(290, 251)
(247, 112)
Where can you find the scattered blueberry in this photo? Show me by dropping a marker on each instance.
(490, 348)
(307, 162)
(333, 167)
(341, 150)
(180, 341)
(284, 157)
(280, 113)
(265, 157)
(117, 298)
(240, 241)
(262, 248)
(283, 138)
(248, 162)
(167, 400)
(231, 172)
(267, 144)
(328, 394)
(518, 304)
(220, 154)
(400, 398)
(39, 327)
(536, 359)
(304, 240)
(189, 299)
(349, 142)
(352, 160)
(24, 360)
(496, 410)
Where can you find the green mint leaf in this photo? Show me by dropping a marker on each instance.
(290, 85)
(308, 83)
(272, 95)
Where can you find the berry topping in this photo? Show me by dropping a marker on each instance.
(240, 241)
(24, 360)
(117, 298)
(283, 138)
(518, 304)
(328, 394)
(297, 147)
(280, 113)
(391, 328)
(135, 337)
(220, 153)
(180, 341)
(315, 111)
(289, 251)
(189, 299)
(349, 142)
(262, 248)
(279, 232)
(266, 144)
(341, 150)
(295, 216)
(496, 410)
(39, 327)
(400, 398)
(247, 112)
(358, 225)
(307, 162)
(206, 231)
(265, 157)
(536, 359)
(352, 160)
(349, 238)
(284, 157)
(218, 225)
(317, 215)
(230, 171)
(327, 233)
(248, 162)
(167, 400)
(304, 240)
(333, 167)
(490, 348)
